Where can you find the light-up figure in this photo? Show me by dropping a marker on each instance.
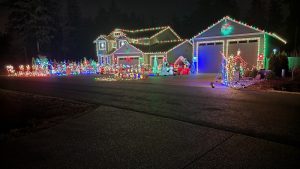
(224, 70)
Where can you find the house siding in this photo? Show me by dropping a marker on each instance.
(184, 50)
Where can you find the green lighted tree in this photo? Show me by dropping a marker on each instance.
(155, 66)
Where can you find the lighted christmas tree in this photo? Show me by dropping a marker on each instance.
(155, 66)
(224, 70)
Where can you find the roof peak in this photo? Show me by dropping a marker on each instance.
(243, 24)
(144, 29)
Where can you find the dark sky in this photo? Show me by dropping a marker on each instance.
(164, 8)
(161, 10)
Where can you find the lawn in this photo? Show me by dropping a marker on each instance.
(23, 112)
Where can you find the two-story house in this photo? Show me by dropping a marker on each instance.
(130, 47)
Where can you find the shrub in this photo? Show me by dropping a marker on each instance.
(278, 62)
(270, 75)
(253, 73)
(247, 73)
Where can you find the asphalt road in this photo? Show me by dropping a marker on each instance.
(174, 122)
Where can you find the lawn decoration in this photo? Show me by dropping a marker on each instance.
(42, 67)
(166, 69)
(181, 66)
(233, 68)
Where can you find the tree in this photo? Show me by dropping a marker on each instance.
(293, 25)
(278, 62)
(3, 43)
(101, 21)
(33, 21)
(71, 30)
(257, 14)
(275, 18)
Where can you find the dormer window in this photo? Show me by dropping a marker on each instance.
(102, 45)
(117, 34)
(114, 44)
(122, 43)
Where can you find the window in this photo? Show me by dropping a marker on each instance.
(233, 42)
(117, 34)
(244, 41)
(102, 45)
(122, 42)
(114, 44)
(253, 41)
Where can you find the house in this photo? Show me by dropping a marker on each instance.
(131, 47)
(228, 36)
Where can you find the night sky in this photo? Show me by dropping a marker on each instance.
(160, 10)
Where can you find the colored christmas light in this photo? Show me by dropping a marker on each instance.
(244, 24)
(155, 65)
(227, 29)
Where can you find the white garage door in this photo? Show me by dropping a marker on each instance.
(248, 48)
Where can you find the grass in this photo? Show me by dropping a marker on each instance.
(285, 84)
(22, 112)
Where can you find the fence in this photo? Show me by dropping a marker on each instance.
(294, 62)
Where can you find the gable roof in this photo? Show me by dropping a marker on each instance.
(127, 49)
(101, 37)
(216, 27)
(143, 33)
(158, 47)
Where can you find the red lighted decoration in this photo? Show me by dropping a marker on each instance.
(128, 59)
(183, 71)
(260, 57)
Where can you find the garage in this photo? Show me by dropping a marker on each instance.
(229, 35)
(128, 60)
(209, 57)
(249, 49)
(127, 55)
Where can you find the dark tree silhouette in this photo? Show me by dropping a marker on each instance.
(293, 26)
(257, 14)
(34, 23)
(275, 16)
(71, 30)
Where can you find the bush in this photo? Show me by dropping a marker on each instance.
(270, 75)
(253, 73)
(278, 62)
(247, 73)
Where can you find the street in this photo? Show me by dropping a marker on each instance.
(160, 122)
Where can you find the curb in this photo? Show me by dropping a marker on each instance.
(283, 92)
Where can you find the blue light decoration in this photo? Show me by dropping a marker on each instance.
(224, 70)
(193, 66)
(226, 29)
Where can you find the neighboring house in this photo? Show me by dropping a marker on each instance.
(133, 46)
(228, 36)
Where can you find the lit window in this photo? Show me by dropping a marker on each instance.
(102, 45)
(122, 42)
